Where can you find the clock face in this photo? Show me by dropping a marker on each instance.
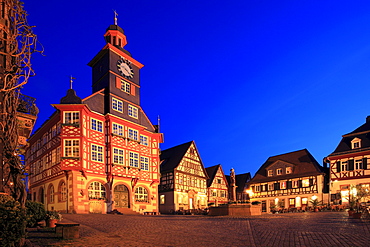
(124, 67)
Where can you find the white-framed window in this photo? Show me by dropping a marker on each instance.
(118, 156)
(96, 153)
(117, 105)
(125, 86)
(63, 192)
(288, 170)
(96, 190)
(144, 140)
(117, 129)
(283, 185)
(295, 183)
(356, 143)
(305, 182)
(132, 111)
(358, 165)
(134, 159)
(141, 194)
(96, 125)
(271, 187)
(144, 163)
(71, 117)
(51, 194)
(344, 166)
(292, 201)
(279, 171)
(71, 148)
(257, 188)
(270, 173)
(133, 134)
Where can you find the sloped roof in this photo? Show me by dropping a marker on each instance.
(304, 165)
(240, 180)
(170, 158)
(211, 171)
(362, 132)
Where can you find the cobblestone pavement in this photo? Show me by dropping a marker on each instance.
(291, 229)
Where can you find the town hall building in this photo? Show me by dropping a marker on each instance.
(100, 153)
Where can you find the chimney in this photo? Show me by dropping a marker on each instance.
(368, 119)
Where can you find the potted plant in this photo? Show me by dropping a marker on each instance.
(273, 208)
(359, 193)
(52, 217)
(315, 204)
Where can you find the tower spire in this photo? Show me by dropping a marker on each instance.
(70, 82)
(115, 17)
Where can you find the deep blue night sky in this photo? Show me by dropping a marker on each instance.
(245, 79)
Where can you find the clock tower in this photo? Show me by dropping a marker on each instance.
(103, 151)
(116, 79)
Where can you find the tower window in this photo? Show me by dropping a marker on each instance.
(72, 117)
(71, 148)
(132, 111)
(117, 105)
(125, 86)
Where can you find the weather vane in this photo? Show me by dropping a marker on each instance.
(70, 81)
(115, 17)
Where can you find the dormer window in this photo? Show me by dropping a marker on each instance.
(356, 143)
(288, 170)
(279, 171)
(270, 173)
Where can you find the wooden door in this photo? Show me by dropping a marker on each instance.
(121, 197)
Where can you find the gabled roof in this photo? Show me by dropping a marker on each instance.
(212, 171)
(170, 158)
(362, 132)
(240, 181)
(304, 165)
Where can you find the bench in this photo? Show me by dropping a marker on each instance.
(67, 230)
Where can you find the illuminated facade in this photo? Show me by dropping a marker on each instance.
(217, 186)
(349, 163)
(289, 180)
(100, 153)
(183, 184)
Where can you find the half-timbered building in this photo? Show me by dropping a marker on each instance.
(100, 153)
(217, 186)
(183, 184)
(349, 163)
(289, 180)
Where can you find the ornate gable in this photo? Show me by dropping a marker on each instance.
(191, 162)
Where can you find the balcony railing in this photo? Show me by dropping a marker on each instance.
(27, 105)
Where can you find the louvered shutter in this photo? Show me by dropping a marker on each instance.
(289, 184)
(364, 163)
(351, 165)
(338, 166)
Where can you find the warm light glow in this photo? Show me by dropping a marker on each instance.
(276, 201)
(249, 192)
(314, 197)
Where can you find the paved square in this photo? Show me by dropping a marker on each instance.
(291, 229)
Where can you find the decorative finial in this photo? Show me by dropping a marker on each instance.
(115, 17)
(159, 124)
(70, 81)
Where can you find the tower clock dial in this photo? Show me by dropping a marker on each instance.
(124, 67)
